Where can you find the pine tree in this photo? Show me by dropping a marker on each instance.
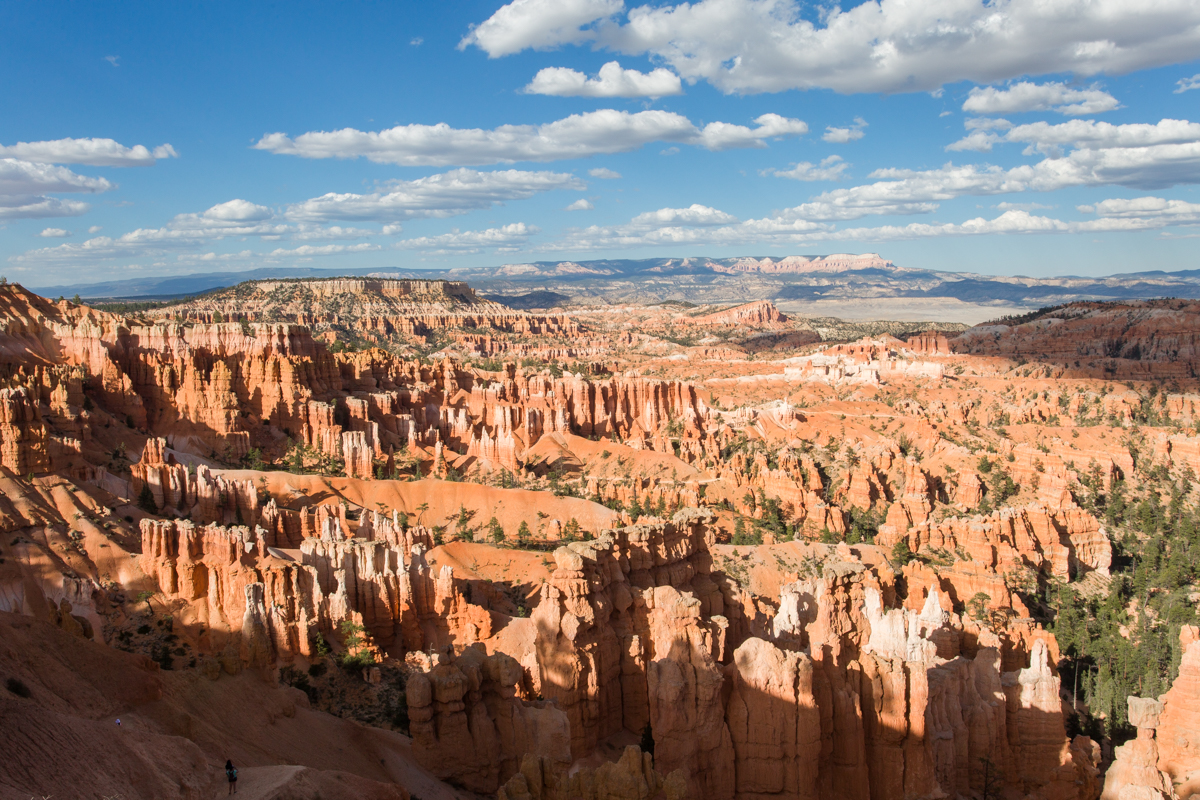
(145, 500)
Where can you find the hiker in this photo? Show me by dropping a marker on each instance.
(231, 773)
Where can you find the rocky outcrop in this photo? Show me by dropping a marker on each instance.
(914, 506)
(774, 722)
(1064, 543)
(469, 727)
(631, 632)
(839, 695)
(23, 445)
(929, 343)
(632, 777)
(968, 492)
(1132, 339)
(242, 592)
(759, 313)
(358, 455)
(870, 361)
(1178, 746)
(195, 492)
(217, 390)
(1135, 774)
(378, 309)
(903, 712)
(788, 670)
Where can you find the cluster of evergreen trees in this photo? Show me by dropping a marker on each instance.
(1126, 641)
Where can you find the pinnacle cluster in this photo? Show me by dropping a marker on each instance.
(385, 538)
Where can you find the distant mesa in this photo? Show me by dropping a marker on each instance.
(371, 310)
(843, 277)
(801, 265)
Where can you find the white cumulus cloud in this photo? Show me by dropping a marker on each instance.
(747, 46)
(612, 81)
(25, 185)
(1026, 96)
(443, 195)
(1176, 211)
(1137, 156)
(784, 230)
(1007, 206)
(830, 169)
(504, 238)
(26, 207)
(307, 250)
(538, 24)
(577, 136)
(238, 211)
(604, 173)
(693, 215)
(23, 177)
(29, 174)
(1083, 135)
(843, 135)
(582, 204)
(1187, 84)
(54, 233)
(94, 152)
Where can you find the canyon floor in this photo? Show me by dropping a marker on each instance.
(370, 537)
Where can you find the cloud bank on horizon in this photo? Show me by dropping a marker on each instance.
(713, 127)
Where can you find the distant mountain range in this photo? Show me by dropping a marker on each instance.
(703, 280)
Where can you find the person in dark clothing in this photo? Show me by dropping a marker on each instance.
(231, 773)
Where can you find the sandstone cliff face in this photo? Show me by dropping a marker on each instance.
(197, 493)
(376, 309)
(839, 696)
(870, 361)
(594, 638)
(633, 777)
(929, 343)
(208, 386)
(762, 312)
(1135, 772)
(220, 389)
(468, 724)
(396, 596)
(1064, 543)
(23, 446)
(898, 711)
(1179, 748)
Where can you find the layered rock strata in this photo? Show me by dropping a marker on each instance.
(398, 598)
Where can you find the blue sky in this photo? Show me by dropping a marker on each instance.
(1040, 138)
